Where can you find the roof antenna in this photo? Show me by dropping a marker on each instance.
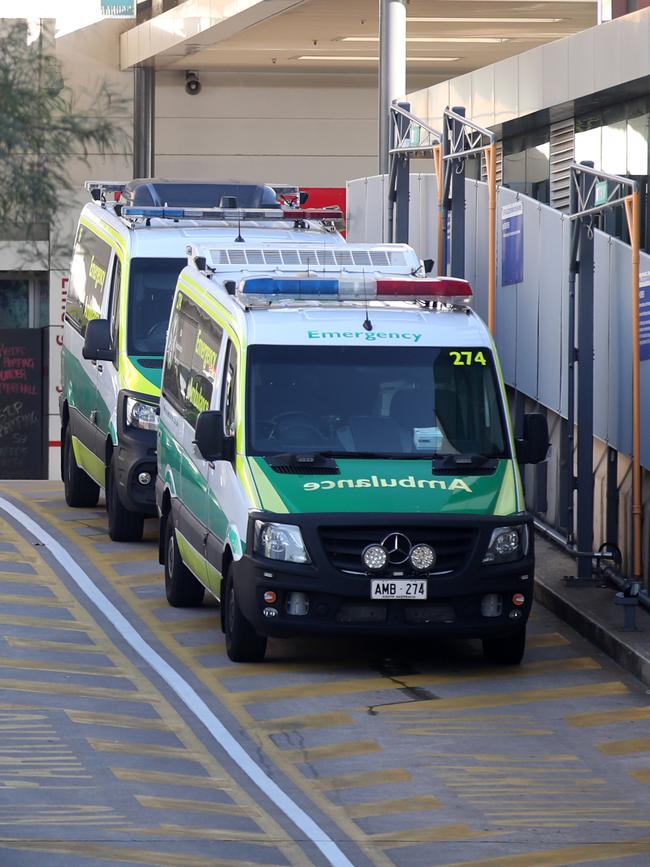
(239, 239)
(367, 324)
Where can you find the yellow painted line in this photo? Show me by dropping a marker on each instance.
(428, 835)
(308, 721)
(63, 646)
(563, 857)
(174, 804)
(42, 622)
(625, 747)
(204, 620)
(608, 717)
(62, 667)
(136, 749)
(183, 831)
(129, 855)
(523, 782)
(459, 732)
(134, 775)
(641, 776)
(501, 699)
(333, 751)
(503, 757)
(397, 805)
(547, 639)
(205, 649)
(76, 689)
(360, 781)
(117, 720)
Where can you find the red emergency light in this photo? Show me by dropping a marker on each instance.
(312, 214)
(449, 289)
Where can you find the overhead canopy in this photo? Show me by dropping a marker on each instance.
(445, 38)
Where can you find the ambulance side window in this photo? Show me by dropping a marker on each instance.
(87, 279)
(230, 393)
(207, 344)
(180, 349)
(115, 302)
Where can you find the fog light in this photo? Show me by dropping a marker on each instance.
(491, 605)
(374, 558)
(422, 557)
(297, 604)
(144, 478)
(518, 599)
(270, 597)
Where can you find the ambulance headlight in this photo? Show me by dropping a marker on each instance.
(507, 544)
(141, 415)
(280, 542)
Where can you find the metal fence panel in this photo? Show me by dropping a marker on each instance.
(602, 368)
(552, 285)
(528, 302)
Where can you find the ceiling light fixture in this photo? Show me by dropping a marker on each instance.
(455, 39)
(520, 20)
(373, 58)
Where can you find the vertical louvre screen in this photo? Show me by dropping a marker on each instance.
(562, 154)
(499, 165)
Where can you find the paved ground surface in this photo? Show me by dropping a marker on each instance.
(403, 755)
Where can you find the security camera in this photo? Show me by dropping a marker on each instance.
(192, 83)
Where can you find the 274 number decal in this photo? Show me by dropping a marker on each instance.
(465, 357)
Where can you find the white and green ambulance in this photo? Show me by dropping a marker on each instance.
(334, 451)
(122, 280)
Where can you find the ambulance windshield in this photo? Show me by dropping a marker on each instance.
(396, 402)
(151, 291)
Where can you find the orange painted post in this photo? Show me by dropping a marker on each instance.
(633, 212)
(437, 163)
(491, 165)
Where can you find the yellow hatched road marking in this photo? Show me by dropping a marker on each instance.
(547, 639)
(117, 720)
(360, 781)
(333, 751)
(428, 835)
(500, 699)
(608, 717)
(76, 689)
(157, 803)
(63, 646)
(138, 749)
(563, 857)
(641, 776)
(63, 667)
(130, 855)
(177, 831)
(397, 805)
(34, 601)
(308, 721)
(43, 622)
(134, 775)
(625, 747)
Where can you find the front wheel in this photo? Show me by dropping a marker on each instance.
(123, 525)
(182, 589)
(505, 651)
(243, 644)
(79, 488)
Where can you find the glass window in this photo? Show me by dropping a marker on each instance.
(230, 393)
(87, 278)
(151, 290)
(115, 302)
(191, 360)
(14, 303)
(393, 401)
(526, 165)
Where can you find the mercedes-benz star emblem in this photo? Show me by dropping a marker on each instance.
(398, 548)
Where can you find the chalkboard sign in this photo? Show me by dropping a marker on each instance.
(21, 402)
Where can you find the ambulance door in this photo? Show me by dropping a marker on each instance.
(226, 501)
(107, 371)
(205, 350)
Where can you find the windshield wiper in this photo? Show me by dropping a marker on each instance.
(304, 461)
(460, 461)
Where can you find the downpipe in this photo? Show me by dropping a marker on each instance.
(619, 581)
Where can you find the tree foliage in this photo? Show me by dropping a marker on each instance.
(43, 123)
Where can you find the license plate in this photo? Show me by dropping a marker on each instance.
(385, 588)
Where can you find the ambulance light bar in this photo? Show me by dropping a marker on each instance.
(447, 290)
(233, 214)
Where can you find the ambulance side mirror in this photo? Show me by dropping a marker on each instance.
(532, 447)
(210, 439)
(98, 342)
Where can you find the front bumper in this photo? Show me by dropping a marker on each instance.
(339, 602)
(135, 453)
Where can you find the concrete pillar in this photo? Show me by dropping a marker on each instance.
(392, 68)
(144, 113)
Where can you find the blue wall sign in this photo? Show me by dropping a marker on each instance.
(512, 244)
(644, 315)
(118, 8)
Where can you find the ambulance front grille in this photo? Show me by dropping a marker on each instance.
(344, 545)
(324, 257)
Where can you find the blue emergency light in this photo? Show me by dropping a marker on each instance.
(289, 287)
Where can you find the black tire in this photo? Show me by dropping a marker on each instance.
(123, 525)
(505, 651)
(243, 644)
(80, 490)
(182, 588)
